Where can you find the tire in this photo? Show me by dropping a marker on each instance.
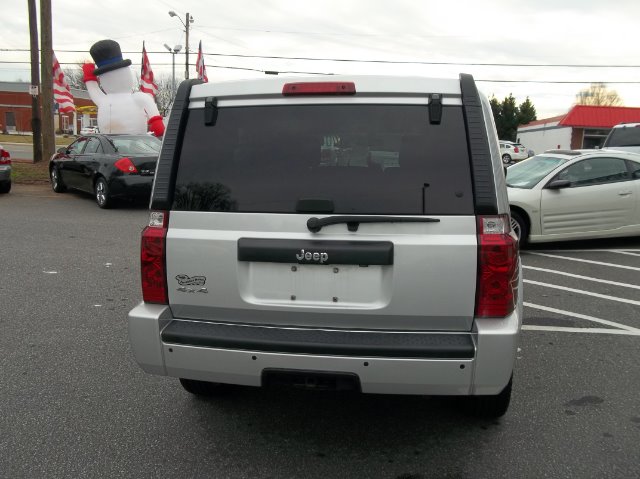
(520, 226)
(5, 187)
(491, 406)
(202, 388)
(101, 193)
(56, 181)
(506, 159)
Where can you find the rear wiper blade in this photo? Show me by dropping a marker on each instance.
(353, 222)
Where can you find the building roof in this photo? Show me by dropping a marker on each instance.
(23, 87)
(600, 116)
(554, 119)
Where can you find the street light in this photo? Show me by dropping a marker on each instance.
(173, 52)
(185, 24)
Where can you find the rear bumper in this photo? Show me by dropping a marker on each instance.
(478, 362)
(131, 187)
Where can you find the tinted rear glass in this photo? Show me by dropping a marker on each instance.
(628, 136)
(365, 159)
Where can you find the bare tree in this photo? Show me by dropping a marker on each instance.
(598, 94)
(164, 98)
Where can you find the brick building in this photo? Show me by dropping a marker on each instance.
(15, 110)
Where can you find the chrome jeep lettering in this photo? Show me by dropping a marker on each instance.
(312, 256)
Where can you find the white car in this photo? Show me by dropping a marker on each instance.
(624, 137)
(568, 195)
(88, 130)
(510, 152)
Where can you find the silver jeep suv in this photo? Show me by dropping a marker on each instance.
(341, 233)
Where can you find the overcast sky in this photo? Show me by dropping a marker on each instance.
(469, 33)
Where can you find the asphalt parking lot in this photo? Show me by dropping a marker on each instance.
(74, 404)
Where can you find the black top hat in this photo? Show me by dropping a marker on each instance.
(108, 56)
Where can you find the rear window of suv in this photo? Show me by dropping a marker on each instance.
(365, 159)
(625, 136)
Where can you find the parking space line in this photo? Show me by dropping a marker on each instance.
(587, 293)
(569, 258)
(571, 314)
(623, 252)
(563, 329)
(579, 276)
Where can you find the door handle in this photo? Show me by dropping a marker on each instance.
(624, 193)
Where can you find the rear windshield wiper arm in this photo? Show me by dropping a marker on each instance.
(353, 222)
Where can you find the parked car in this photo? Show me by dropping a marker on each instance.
(88, 130)
(109, 166)
(268, 260)
(624, 137)
(567, 195)
(510, 151)
(5, 171)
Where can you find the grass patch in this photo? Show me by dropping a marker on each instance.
(28, 139)
(30, 173)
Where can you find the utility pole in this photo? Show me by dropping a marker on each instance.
(186, 51)
(36, 123)
(46, 73)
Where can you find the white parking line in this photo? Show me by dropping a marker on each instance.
(623, 252)
(593, 319)
(579, 276)
(587, 293)
(527, 327)
(612, 265)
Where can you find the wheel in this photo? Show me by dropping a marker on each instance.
(102, 194)
(56, 182)
(202, 388)
(506, 159)
(491, 406)
(5, 187)
(520, 227)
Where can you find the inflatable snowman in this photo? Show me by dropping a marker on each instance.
(120, 110)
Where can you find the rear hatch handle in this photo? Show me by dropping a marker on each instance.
(353, 222)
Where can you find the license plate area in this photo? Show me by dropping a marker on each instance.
(326, 286)
(312, 380)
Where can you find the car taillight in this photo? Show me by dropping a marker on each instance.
(152, 259)
(496, 292)
(319, 88)
(126, 165)
(516, 149)
(5, 157)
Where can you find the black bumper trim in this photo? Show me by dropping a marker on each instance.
(320, 342)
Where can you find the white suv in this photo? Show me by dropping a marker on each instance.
(340, 233)
(510, 152)
(624, 137)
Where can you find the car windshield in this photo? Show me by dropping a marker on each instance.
(528, 173)
(137, 145)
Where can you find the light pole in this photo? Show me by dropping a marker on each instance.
(173, 52)
(185, 24)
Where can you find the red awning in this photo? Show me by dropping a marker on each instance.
(583, 116)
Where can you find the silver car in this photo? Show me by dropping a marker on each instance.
(342, 233)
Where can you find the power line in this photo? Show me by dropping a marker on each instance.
(393, 62)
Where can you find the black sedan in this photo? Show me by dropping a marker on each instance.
(108, 166)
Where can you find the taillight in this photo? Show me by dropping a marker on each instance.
(152, 259)
(516, 149)
(126, 166)
(5, 157)
(319, 88)
(496, 292)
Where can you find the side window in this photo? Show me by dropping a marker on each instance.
(77, 147)
(634, 167)
(93, 146)
(595, 171)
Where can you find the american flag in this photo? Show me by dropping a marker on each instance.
(147, 84)
(61, 91)
(202, 70)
